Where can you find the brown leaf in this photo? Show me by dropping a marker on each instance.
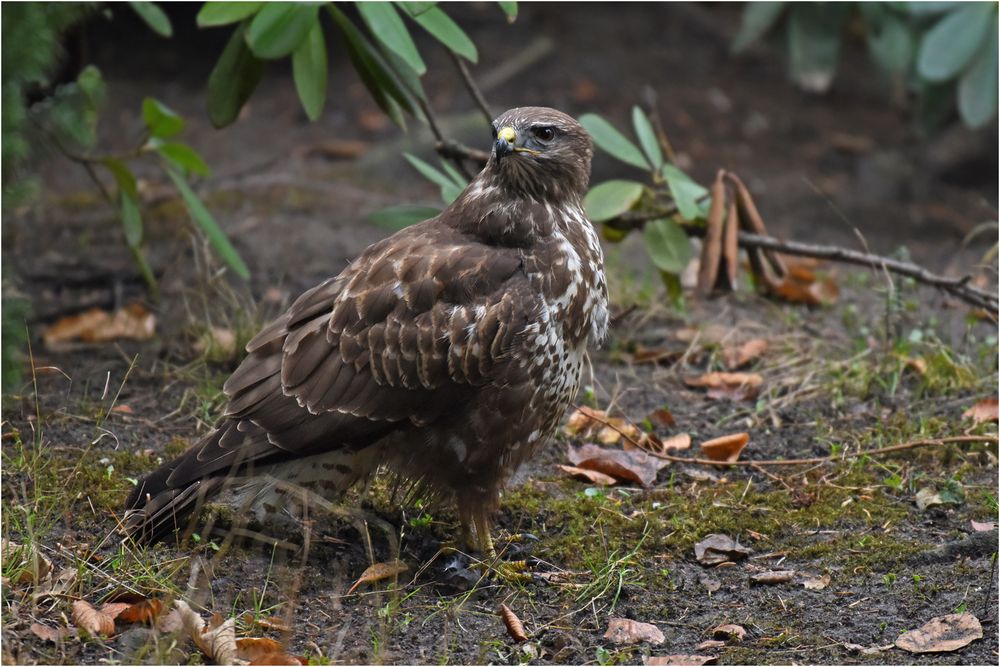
(629, 466)
(709, 644)
(816, 583)
(725, 449)
(513, 624)
(170, 622)
(133, 321)
(711, 245)
(92, 621)
(772, 577)
(217, 641)
(986, 410)
(586, 475)
(983, 526)
(627, 631)
(47, 633)
(655, 355)
(797, 288)
(30, 565)
(254, 649)
(114, 609)
(144, 611)
(678, 442)
(57, 586)
(378, 572)
(731, 386)
(736, 356)
(662, 417)
(729, 631)
(583, 419)
(716, 548)
(691, 660)
(942, 633)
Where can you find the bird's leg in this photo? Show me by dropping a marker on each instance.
(509, 571)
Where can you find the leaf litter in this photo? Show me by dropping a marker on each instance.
(942, 634)
(626, 631)
(716, 549)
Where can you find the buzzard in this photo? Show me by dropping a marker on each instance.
(447, 352)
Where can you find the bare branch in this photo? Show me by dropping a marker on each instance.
(470, 85)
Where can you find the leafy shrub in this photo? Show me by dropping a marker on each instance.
(945, 52)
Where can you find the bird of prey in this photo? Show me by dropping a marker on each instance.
(447, 352)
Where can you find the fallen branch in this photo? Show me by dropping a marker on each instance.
(957, 287)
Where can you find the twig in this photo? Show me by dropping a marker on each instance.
(913, 444)
(452, 150)
(470, 85)
(957, 287)
(436, 131)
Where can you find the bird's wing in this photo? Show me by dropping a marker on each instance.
(398, 338)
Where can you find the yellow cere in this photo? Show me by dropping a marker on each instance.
(507, 134)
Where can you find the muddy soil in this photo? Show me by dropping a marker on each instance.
(825, 169)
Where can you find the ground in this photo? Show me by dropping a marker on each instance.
(91, 419)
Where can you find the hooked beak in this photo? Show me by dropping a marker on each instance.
(506, 139)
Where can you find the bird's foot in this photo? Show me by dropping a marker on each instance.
(510, 572)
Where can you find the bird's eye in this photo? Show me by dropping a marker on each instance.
(543, 133)
(494, 128)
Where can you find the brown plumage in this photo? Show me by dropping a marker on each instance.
(447, 352)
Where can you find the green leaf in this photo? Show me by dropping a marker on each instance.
(415, 8)
(949, 47)
(154, 17)
(309, 72)
(161, 120)
(387, 26)
(370, 65)
(509, 8)
(758, 18)
(233, 80)
(123, 176)
(204, 220)
(280, 27)
(647, 137)
(91, 84)
(398, 217)
(449, 188)
(667, 244)
(131, 219)
(223, 13)
(675, 291)
(612, 141)
(977, 89)
(684, 191)
(184, 157)
(814, 44)
(456, 177)
(891, 42)
(611, 198)
(446, 31)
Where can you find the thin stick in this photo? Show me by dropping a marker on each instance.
(470, 85)
(913, 444)
(958, 287)
(436, 131)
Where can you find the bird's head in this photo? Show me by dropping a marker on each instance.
(541, 153)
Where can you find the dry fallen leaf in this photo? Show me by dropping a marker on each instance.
(729, 631)
(816, 583)
(656, 355)
(691, 660)
(170, 622)
(29, 565)
(711, 585)
(716, 548)
(92, 621)
(662, 417)
(583, 419)
(736, 356)
(730, 386)
(114, 609)
(56, 586)
(772, 577)
(928, 497)
(627, 631)
(143, 611)
(983, 526)
(586, 475)
(378, 572)
(986, 410)
(629, 466)
(725, 449)
(133, 321)
(513, 624)
(264, 651)
(709, 644)
(678, 443)
(217, 641)
(47, 633)
(942, 633)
